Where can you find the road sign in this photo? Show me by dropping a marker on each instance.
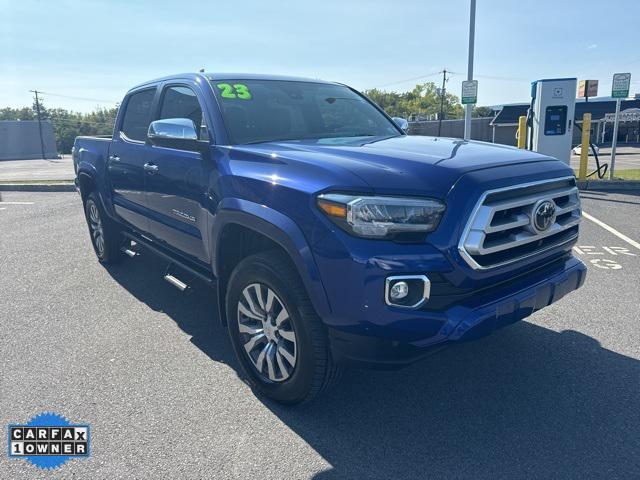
(619, 90)
(587, 88)
(469, 92)
(620, 85)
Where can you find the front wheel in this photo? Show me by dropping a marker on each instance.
(278, 338)
(105, 236)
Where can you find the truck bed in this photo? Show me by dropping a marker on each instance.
(93, 150)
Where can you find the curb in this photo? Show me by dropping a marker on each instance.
(37, 187)
(609, 185)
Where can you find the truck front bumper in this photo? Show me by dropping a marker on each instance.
(402, 337)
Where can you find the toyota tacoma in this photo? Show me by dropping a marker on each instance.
(328, 234)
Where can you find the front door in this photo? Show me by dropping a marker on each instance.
(127, 157)
(177, 184)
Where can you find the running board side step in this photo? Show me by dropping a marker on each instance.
(179, 284)
(128, 252)
(194, 271)
(175, 281)
(129, 248)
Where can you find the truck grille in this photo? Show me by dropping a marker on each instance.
(517, 222)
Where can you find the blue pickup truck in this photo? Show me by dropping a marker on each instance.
(327, 233)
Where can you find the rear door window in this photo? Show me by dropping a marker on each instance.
(137, 115)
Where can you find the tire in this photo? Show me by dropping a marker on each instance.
(104, 232)
(296, 334)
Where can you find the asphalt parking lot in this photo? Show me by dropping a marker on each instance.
(627, 158)
(152, 372)
(37, 170)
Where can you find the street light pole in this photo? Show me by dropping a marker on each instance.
(468, 108)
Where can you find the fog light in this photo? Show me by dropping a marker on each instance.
(407, 291)
(399, 290)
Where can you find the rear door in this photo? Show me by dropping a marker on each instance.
(177, 186)
(127, 158)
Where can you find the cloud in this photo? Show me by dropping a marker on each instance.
(592, 46)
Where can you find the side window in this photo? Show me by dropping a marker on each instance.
(137, 115)
(181, 102)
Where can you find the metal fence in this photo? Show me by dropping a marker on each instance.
(480, 128)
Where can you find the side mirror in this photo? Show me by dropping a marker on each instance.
(402, 123)
(177, 133)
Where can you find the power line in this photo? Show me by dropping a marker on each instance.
(72, 97)
(409, 79)
(492, 77)
(451, 73)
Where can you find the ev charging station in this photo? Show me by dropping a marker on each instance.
(550, 117)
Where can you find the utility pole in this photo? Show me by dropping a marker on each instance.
(468, 108)
(443, 92)
(39, 122)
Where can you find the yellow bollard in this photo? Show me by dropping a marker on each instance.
(522, 132)
(584, 149)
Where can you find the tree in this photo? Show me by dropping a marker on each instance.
(422, 101)
(67, 125)
(482, 112)
(24, 113)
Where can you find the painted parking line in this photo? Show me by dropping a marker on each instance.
(16, 203)
(621, 236)
(589, 251)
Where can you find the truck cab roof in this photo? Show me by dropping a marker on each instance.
(231, 76)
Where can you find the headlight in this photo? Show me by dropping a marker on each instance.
(381, 217)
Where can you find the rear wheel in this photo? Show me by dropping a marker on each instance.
(105, 236)
(278, 338)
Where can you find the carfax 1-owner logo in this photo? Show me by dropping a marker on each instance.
(48, 440)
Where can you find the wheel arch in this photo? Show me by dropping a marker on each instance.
(87, 184)
(242, 228)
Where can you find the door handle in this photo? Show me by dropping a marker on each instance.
(151, 168)
(114, 158)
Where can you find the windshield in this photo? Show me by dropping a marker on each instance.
(257, 111)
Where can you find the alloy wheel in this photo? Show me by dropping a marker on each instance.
(95, 225)
(266, 333)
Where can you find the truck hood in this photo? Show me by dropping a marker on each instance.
(405, 164)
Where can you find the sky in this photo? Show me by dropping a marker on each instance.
(86, 53)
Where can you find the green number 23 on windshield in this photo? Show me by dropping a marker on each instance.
(237, 90)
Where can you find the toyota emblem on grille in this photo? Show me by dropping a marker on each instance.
(544, 215)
